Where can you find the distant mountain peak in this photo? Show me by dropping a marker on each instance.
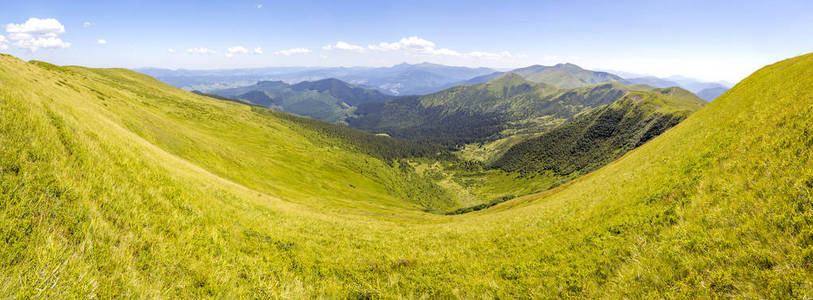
(332, 80)
(268, 83)
(510, 77)
(565, 75)
(509, 80)
(568, 66)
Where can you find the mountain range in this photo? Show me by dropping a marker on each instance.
(506, 106)
(416, 79)
(706, 90)
(113, 183)
(330, 100)
(401, 79)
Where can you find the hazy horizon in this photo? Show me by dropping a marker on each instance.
(720, 41)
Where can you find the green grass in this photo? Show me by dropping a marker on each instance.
(113, 184)
(598, 136)
(472, 184)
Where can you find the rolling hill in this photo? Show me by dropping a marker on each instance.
(503, 107)
(598, 136)
(113, 184)
(653, 81)
(706, 90)
(566, 75)
(329, 99)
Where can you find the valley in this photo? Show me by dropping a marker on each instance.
(128, 176)
(459, 121)
(406, 149)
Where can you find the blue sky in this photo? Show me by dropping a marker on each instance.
(710, 40)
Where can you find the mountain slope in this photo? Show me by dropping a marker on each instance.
(598, 136)
(566, 75)
(499, 108)
(97, 203)
(341, 90)
(705, 90)
(328, 99)
(694, 85)
(652, 81)
(561, 75)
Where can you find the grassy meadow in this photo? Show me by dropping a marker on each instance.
(113, 184)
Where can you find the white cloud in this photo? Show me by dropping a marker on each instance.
(236, 50)
(441, 51)
(37, 34)
(3, 43)
(171, 50)
(42, 43)
(259, 6)
(231, 51)
(37, 26)
(101, 42)
(419, 46)
(407, 43)
(87, 24)
(344, 46)
(201, 51)
(489, 55)
(293, 51)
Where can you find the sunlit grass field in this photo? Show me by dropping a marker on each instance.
(114, 184)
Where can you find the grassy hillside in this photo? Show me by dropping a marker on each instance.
(601, 135)
(113, 184)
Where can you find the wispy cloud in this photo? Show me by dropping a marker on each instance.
(491, 55)
(259, 6)
(87, 24)
(236, 50)
(344, 46)
(407, 43)
(201, 51)
(231, 51)
(102, 42)
(37, 34)
(416, 45)
(293, 51)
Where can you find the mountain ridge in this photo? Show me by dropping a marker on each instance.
(330, 99)
(600, 135)
(114, 183)
(400, 79)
